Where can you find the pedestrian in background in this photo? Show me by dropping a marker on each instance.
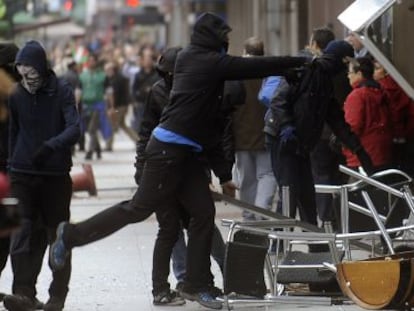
(8, 77)
(325, 160)
(143, 81)
(367, 111)
(94, 110)
(253, 170)
(44, 126)
(117, 98)
(402, 116)
(72, 76)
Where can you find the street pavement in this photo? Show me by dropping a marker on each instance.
(114, 274)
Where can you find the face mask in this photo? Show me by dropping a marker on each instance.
(31, 79)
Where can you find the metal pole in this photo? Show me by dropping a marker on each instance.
(345, 219)
(285, 212)
(371, 181)
(378, 221)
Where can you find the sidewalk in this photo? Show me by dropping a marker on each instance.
(115, 274)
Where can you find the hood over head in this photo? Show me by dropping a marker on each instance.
(166, 62)
(336, 52)
(211, 31)
(34, 55)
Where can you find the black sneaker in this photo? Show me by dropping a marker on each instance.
(215, 292)
(168, 298)
(54, 304)
(19, 303)
(179, 287)
(203, 298)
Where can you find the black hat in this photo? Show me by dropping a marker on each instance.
(167, 59)
(340, 49)
(8, 51)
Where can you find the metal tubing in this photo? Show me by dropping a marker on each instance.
(378, 221)
(408, 196)
(345, 219)
(364, 211)
(321, 300)
(328, 189)
(371, 181)
(367, 234)
(285, 201)
(271, 274)
(286, 210)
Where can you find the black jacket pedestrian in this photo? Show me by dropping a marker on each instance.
(47, 121)
(200, 72)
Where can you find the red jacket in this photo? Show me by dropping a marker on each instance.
(402, 108)
(367, 112)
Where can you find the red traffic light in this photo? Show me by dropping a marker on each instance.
(68, 5)
(132, 3)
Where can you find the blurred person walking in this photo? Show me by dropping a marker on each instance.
(8, 77)
(117, 97)
(44, 125)
(174, 169)
(94, 111)
(253, 169)
(72, 76)
(143, 81)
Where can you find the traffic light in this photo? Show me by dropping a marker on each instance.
(68, 5)
(132, 3)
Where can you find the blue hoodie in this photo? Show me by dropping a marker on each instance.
(48, 117)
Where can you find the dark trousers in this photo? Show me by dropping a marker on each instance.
(4, 251)
(325, 164)
(44, 202)
(166, 247)
(172, 173)
(293, 169)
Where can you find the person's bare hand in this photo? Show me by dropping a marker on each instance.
(229, 188)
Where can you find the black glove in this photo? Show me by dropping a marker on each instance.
(366, 162)
(288, 139)
(139, 168)
(41, 155)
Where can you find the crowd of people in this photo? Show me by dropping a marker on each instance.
(257, 122)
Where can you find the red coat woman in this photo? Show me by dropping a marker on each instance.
(367, 112)
(401, 106)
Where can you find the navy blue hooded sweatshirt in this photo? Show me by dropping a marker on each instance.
(48, 118)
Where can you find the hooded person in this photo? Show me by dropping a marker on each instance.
(44, 125)
(8, 77)
(190, 130)
(298, 113)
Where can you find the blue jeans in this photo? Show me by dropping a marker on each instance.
(255, 179)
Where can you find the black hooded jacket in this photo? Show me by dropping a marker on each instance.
(200, 72)
(308, 110)
(220, 158)
(47, 118)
